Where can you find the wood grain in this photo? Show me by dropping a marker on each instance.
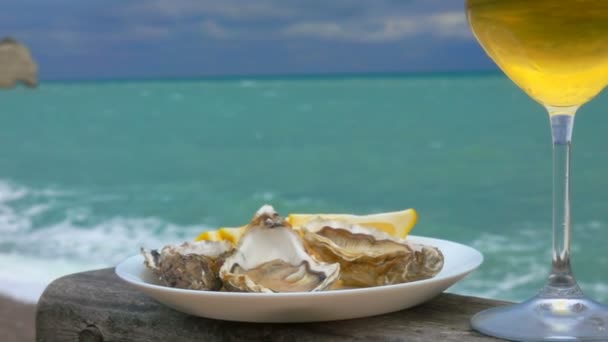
(98, 306)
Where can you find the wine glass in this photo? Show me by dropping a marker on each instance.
(557, 52)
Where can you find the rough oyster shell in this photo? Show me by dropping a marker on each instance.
(191, 265)
(369, 257)
(271, 257)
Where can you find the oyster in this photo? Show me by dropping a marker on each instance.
(191, 265)
(369, 257)
(271, 257)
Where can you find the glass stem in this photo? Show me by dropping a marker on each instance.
(561, 282)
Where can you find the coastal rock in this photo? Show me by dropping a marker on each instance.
(16, 65)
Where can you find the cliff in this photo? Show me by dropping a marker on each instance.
(16, 65)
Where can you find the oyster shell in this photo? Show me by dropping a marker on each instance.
(369, 257)
(271, 257)
(191, 265)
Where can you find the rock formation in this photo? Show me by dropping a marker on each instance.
(16, 65)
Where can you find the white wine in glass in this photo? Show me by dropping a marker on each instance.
(557, 52)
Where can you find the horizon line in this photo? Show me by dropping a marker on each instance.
(279, 76)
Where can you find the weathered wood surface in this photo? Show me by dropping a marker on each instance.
(98, 306)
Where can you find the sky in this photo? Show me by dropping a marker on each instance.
(94, 39)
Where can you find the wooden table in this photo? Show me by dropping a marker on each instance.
(98, 306)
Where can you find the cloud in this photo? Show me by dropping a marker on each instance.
(69, 38)
(147, 32)
(63, 42)
(451, 24)
(340, 20)
(212, 29)
(296, 35)
(234, 9)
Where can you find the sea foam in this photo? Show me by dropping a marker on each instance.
(31, 256)
(35, 250)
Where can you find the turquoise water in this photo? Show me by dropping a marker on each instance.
(91, 171)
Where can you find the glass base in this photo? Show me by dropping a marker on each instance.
(546, 319)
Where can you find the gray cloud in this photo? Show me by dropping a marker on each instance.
(447, 24)
(341, 20)
(255, 10)
(234, 9)
(280, 35)
(147, 32)
(212, 29)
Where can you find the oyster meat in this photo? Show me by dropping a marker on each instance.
(191, 265)
(271, 257)
(369, 257)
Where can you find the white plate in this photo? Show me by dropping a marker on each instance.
(307, 306)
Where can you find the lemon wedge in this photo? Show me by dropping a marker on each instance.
(232, 234)
(397, 223)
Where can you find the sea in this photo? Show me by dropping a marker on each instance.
(91, 171)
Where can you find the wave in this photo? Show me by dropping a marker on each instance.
(33, 254)
(517, 263)
(50, 232)
(248, 83)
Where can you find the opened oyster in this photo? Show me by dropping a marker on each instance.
(191, 265)
(271, 257)
(369, 257)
